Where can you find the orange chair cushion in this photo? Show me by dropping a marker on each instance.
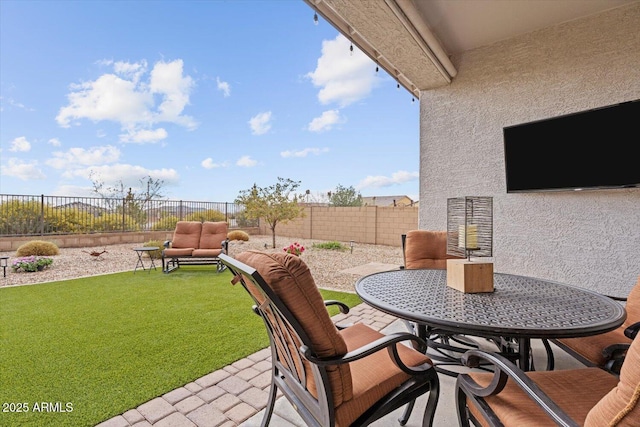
(621, 407)
(206, 253)
(213, 234)
(576, 391)
(187, 235)
(591, 347)
(426, 249)
(373, 376)
(290, 279)
(633, 305)
(171, 253)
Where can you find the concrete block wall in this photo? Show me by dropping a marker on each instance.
(367, 224)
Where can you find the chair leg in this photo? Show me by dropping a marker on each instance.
(268, 410)
(407, 413)
(432, 402)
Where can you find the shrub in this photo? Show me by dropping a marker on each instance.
(154, 254)
(333, 245)
(31, 263)
(38, 248)
(238, 235)
(208, 215)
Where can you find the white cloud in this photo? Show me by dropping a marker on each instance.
(343, 76)
(143, 136)
(208, 163)
(22, 170)
(167, 80)
(326, 121)
(55, 142)
(260, 123)
(134, 70)
(77, 157)
(123, 97)
(246, 161)
(225, 87)
(129, 175)
(378, 181)
(304, 153)
(20, 144)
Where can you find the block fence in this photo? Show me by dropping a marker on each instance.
(367, 224)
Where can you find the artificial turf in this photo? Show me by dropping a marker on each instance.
(78, 352)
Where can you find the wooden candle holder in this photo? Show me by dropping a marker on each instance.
(470, 276)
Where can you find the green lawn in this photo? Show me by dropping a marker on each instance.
(92, 348)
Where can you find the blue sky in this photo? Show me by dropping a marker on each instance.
(208, 96)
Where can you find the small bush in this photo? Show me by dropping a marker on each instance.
(38, 248)
(334, 246)
(238, 235)
(154, 254)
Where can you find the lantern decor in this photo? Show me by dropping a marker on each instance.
(470, 234)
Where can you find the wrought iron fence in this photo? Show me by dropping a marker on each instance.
(29, 215)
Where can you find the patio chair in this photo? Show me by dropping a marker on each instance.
(607, 350)
(331, 375)
(425, 249)
(589, 396)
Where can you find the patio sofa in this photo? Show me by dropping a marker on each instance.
(195, 243)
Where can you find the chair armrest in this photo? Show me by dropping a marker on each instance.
(225, 246)
(616, 298)
(344, 308)
(503, 370)
(167, 244)
(388, 342)
(632, 331)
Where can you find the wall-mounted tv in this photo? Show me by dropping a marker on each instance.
(587, 150)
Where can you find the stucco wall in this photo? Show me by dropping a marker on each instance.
(368, 224)
(590, 238)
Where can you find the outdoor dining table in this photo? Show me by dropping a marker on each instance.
(519, 309)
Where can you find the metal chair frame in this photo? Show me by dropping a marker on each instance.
(290, 346)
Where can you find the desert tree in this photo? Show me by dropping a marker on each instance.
(275, 204)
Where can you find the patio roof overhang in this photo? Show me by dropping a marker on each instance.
(412, 39)
(392, 34)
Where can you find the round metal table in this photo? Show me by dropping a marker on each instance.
(520, 307)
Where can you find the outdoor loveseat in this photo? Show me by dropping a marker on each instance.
(195, 243)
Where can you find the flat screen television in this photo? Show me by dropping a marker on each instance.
(587, 150)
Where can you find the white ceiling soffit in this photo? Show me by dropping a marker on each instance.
(394, 35)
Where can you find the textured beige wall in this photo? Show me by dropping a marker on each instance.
(368, 224)
(590, 238)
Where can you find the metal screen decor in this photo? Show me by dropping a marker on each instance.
(470, 226)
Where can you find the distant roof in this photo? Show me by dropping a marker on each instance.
(401, 200)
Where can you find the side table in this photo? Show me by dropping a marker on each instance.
(140, 251)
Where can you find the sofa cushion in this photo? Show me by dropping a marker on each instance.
(290, 279)
(426, 249)
(187, 234)
(174, 253)
(621, 407)
(213, 234)
(206, 253)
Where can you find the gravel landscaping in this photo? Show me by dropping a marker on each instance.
(325, 265)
